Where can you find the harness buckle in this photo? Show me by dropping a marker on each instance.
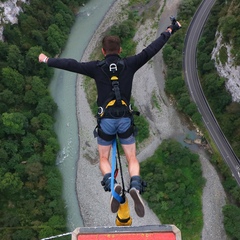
(115, 86)
(100, 110)
(130, 107)
(113, 67)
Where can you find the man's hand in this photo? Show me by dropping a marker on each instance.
(42, 58)
(174, 27)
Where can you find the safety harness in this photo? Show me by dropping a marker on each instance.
(116, 105)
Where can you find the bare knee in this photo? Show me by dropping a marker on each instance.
(104, 164)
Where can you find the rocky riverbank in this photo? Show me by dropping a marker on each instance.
(164, 123)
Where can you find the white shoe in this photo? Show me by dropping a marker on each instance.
(138, 203)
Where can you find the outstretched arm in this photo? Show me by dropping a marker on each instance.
(72, 65)
(152, 49)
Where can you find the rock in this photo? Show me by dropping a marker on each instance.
(9, 13)
(227, 70)
(198, 141)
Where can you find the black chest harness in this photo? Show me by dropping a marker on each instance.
(116, 105)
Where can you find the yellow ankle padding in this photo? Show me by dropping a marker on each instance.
(123, 215)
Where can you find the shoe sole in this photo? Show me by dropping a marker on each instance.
(114, 202)
(138, 203)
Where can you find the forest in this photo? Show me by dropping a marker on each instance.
(31, 206)
(175, 182)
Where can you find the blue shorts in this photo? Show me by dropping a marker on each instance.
(113, 126)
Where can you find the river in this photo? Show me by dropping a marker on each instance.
(62, 89)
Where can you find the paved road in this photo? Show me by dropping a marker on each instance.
(191, 77)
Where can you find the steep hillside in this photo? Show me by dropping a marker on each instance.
(226, 54)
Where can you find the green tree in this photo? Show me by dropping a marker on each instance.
(190, 109)
(15, 59)
(231, 22)
(53, 186)
(35, 90)
(46, 231)
(183, 101)
(174, 86)
(205, 63)
(64, 20)
(231, 220)
(30, 97)
(14, 161)
(3, 51)
(12, 34)
(14, 123)
(27, 23)
(212, 84)
(34, 170)
(46, 105)
(42, 121)
(44, 135)
(49, 154)
(30, 145)
(167, 55)
(13, 80)
(187, 8)
(55, 39)
(56, 222)
(24, 234)
(11, 146)
(7, 97)
(32, 60)
(125, 30)
(3, 155)
(38, 37)
(10, 183)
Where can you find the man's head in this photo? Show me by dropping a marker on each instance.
(111, 45)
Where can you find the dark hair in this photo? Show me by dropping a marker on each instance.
(111, 44)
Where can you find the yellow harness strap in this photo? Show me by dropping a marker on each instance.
(111, 103)
(114, 78)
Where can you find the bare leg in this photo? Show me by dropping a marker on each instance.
(133, 164)
(134, 171)
(104, 152)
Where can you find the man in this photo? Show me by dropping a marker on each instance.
(113, 77)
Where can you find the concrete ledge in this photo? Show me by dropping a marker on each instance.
(150, 232)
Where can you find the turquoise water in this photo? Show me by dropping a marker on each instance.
(62, 88)
(190, 135)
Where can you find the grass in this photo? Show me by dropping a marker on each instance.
(223, 55)
(155, 101)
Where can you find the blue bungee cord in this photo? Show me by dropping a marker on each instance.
(114, 152)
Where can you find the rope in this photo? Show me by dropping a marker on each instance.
(57, 236)
(121, 172)
(114, 194)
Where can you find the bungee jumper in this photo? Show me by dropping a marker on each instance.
(113, 77)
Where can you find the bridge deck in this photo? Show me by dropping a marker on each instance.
(150, 232)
